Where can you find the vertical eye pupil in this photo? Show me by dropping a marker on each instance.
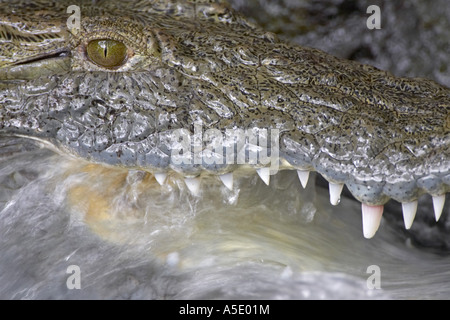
(107, 53)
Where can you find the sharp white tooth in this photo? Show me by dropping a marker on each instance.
(438, 205)
(264, 174)
(371, 218)
(409, 212)
(227, 180)
(335, 193)
(160, 177)
(193, 185)
(303, 175)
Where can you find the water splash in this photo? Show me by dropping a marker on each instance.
(133, 238)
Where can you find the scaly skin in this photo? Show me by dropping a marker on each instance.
(196, 61)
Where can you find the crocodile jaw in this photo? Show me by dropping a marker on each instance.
(381, 136)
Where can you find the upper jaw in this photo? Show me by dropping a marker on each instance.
(105, 123)
(372, 191)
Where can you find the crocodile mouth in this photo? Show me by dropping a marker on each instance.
(178, 170)
(114, 222)
(197, 178)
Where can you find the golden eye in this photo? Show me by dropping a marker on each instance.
(107, 53)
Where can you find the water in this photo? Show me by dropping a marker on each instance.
(133, 239)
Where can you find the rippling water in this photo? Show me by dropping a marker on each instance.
(133, 239)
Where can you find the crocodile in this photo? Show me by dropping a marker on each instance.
(115, 82)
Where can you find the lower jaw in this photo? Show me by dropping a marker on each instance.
(177, 187)
(279, 237)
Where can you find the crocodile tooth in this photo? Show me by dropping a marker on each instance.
(335, 193)
(160, 177)
(264, 174)
(193, 185)
(438, 205)
(409, 212)
(371, 218)
(303, 175)
(227, 180)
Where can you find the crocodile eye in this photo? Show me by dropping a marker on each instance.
(107, 53)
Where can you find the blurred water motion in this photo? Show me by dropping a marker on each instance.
(133, 239)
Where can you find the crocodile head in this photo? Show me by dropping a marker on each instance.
(191, 89)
